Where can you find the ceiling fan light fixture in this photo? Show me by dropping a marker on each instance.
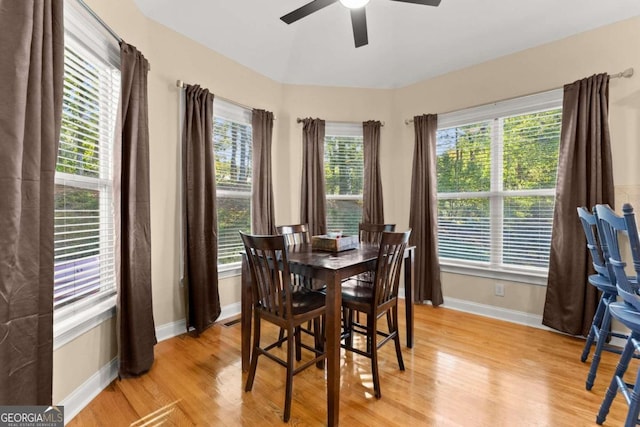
(354, 4)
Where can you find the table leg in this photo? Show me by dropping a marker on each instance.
(245, 314)
(334, 303)
(409, 279)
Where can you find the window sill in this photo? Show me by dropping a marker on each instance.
(529, 277)
(67, 327)
(229, 270)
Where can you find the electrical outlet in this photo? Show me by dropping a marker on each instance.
(500, 289)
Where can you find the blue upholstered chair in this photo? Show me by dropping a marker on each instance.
(604, 281)
(627, 311)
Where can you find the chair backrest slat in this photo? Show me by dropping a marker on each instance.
(295, 234)
(390, 256)
(372, 233)
(596, 244)
(614, 227)
(267, 258)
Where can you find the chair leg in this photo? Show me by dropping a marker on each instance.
(347, 320)
(372, 348)
(298, 337)
(289, 380)
(623, 364)
(595, 325)
(318, 337)
(634, 404)
(254, 354)
(601, 340)
(396, 338)
(280, 337)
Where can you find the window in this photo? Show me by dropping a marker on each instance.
(343, 171)
(232, 140)
(496, 168)
(84, 238)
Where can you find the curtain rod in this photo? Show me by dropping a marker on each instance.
(626, 74)
(299, 120)
(97, 18)
(180, 84)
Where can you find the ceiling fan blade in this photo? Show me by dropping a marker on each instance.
(424, 2)
(359, 23)
(306, 10)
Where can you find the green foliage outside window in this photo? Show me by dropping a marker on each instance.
(232, 147)
(343, 170)
(528, 146)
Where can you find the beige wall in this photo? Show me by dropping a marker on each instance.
(608, 49)
(330, 104)
(173, 57)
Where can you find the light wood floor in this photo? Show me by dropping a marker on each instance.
(464, 370)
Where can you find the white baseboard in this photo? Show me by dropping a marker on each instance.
(170, 330)
(494, 312)
(84, 394)
(173, 329)
(513, 316)
(229, 311)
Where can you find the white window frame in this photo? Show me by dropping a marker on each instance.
(344, 129)
(85, 35)
(495, 113)
(226, 110)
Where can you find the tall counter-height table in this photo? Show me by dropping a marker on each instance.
(331, 269)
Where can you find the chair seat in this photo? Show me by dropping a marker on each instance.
(304, 300)
(626, 314)
(358, 291)
(602, 283)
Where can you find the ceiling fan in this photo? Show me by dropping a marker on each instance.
(358, 17)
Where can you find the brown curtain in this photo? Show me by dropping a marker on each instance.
(31, 70)
(373, 209)
(136, 330)
(423, 214)
(200, 219)
(585, 178)
(262, 209)
(313, 203)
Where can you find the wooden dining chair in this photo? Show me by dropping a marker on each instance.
(376, 301)
(298, 234)
(369, 233)
(295, 234)
(627, 311)
(286, 306)
(372, 233)
(605, 281)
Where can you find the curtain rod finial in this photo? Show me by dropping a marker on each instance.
(627, 73)
(179, 83)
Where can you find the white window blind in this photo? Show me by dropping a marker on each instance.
(344, 171)
(232, 140)
(496, 168)
(84, 217)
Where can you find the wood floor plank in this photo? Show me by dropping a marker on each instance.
(464, 370)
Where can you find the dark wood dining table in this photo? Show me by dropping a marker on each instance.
(331, 269)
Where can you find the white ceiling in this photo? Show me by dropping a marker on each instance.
(407, 42)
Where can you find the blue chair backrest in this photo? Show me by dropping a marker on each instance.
(613, 227)
(597, 245)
